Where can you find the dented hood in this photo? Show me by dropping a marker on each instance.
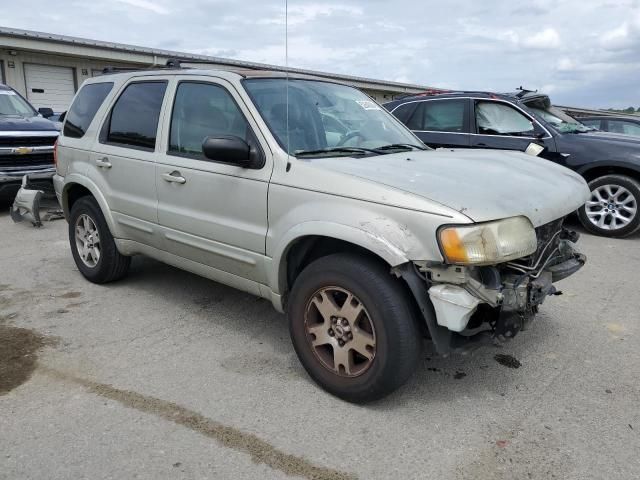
(482, 184)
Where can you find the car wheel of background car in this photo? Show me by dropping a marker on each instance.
(92, 244)
(353, 327)
(612, 210)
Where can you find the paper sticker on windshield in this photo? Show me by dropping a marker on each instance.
(367, 105)
(7, 92)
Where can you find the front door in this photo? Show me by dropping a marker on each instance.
(212, 213)
(499, 125)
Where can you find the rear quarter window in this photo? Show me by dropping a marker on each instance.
(84, 108)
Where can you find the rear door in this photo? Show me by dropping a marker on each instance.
(211, 212)
(500, 125)
(438, 122)
(122, 163)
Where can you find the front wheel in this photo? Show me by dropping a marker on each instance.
(612, 210)
(353, 327)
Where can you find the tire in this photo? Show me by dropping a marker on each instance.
(618, 221)
(108, 264)
(386, 320)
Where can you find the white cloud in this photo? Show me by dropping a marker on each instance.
(566, 64)
(147, 5)
(546, 39)
(586, 55)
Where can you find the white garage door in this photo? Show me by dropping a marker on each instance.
(49, 86)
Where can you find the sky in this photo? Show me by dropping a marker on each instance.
(581, 52)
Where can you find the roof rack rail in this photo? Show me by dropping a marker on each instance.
(429, 92)
(171, 63)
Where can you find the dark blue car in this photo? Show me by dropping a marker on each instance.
(609, 162)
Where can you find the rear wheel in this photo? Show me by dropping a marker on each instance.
(92, 244)
(612, 210)
(353, 327)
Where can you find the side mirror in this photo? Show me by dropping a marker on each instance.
(45, 112)
(62, 116)
(228, 149)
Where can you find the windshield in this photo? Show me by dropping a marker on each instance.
(13, 104)
(326, 118)
(556, 117)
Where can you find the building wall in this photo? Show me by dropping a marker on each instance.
(82, 67)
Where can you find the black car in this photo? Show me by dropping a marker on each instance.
(515, 121)
(614, 124)
(26, 145)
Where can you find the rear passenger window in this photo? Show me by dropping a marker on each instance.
(439, 116)
(134, 117)
(201, 110)
(84, 108)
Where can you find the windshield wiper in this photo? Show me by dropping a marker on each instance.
(337, 150)
(395, 146)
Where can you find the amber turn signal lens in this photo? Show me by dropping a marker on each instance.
(452, 246)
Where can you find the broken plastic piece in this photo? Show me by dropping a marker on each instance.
(26, 205)
(453, 305)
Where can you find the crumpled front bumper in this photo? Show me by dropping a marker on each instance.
(467, 306)
(26, 205)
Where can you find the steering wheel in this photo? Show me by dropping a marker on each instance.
(348, 136)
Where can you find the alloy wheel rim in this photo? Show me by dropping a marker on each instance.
(87, 240)
(611, 207)
(340, 332)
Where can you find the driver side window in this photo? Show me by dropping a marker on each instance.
(496, 118)
(201, 110)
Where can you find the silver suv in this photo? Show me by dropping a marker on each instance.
(307, 193)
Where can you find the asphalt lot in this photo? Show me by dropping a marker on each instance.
(168, 375)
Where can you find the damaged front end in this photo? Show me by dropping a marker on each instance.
(466, 306)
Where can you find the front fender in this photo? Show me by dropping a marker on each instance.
(393, 253)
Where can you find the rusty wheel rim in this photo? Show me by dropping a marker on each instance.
(340, 332)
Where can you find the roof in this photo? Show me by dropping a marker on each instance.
(185, 57)
(432, 93)
(227, 73)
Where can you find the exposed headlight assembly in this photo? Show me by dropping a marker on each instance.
(488, 243)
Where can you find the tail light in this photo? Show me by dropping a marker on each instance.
(55, 152)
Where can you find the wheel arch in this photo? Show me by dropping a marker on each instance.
(77, 187)
(313, 240)
(607, 168)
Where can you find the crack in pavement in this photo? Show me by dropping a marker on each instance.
(259, 450)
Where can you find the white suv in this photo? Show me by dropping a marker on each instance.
(309, 194)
